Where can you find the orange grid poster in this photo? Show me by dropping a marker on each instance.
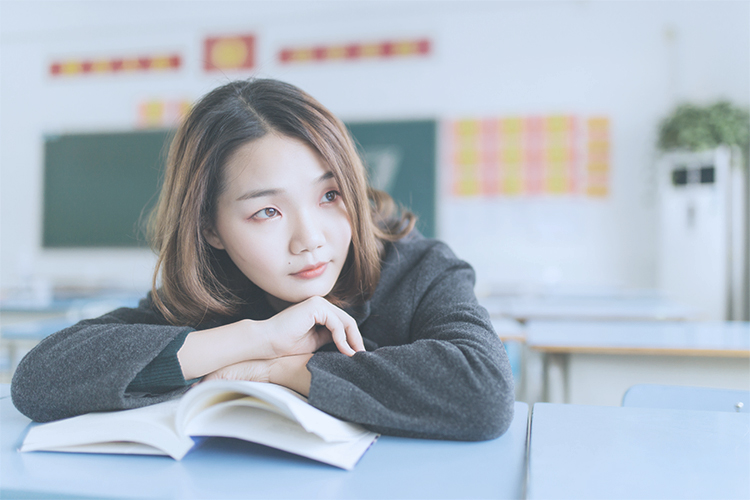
(158, 113)
(77, 67)
(597, 162)
(355, 51)
(223, 53)
(534, 155)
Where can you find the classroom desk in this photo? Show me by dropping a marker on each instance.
(580, 452)
(583, 357)
(23, 323)
(17, 338)
(636, 308)
(513, 336)
(226, 468)
(509, 329)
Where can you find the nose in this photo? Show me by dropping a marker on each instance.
(307, 235)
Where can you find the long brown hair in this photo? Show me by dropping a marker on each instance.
(200, 282)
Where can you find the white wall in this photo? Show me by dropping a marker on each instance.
(631, 61)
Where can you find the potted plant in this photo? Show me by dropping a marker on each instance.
(695, 128)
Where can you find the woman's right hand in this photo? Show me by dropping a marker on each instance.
(305, 327)
(300, 329)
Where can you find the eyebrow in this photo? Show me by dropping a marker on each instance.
(259, 193)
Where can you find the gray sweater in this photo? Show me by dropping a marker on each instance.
(434, 367)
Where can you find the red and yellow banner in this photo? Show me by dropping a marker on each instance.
(224, 53)
(356, 51)
(76, 67)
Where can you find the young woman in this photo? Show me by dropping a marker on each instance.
(278, 264)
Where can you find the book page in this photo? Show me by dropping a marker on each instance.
(116, 448)
(274, 416)
(152, 426)
(275, 398)
(268, 428)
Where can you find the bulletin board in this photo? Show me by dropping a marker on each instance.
(98, 188)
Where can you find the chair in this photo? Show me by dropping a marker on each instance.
(687, 398)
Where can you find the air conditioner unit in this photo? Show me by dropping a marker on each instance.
(703, 219)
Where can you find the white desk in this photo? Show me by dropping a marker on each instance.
(592, 305)
(513, 335)
(591, 362)
(585, 308)
(580, 452)
(24, 323)
(225, 468)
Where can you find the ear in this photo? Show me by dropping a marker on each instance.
(212, 238)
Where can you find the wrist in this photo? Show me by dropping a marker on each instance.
(291, 372)
(206, 351)
(253, 341)
(260, 341)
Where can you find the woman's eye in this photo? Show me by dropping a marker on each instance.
(331, 196)
(266, 213)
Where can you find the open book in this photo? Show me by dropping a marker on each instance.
(263, 413)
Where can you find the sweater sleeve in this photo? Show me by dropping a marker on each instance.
(163, 373)
(450, 379)
(89, 366)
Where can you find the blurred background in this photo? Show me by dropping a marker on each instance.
(581, 155)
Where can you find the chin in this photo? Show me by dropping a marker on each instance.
(307, 294)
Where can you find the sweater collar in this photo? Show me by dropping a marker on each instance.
(360, 313)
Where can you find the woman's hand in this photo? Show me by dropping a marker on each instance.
(307, 326)
(300, 329)
(289, 371)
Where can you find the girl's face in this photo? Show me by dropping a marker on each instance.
(281, 219)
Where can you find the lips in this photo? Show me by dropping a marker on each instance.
(311, 272)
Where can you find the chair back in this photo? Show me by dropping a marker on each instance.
(687, 398)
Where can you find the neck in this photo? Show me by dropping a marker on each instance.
(277, 304)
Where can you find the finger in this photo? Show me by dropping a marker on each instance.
(343, 327)
(338, 332)
(349, 335)
(353, 336)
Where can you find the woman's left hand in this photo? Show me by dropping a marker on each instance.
(257, 370)
(289, 371)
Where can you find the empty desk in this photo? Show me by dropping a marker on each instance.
(24, 323)
(581, 452)
(596, 362)
(586, 308)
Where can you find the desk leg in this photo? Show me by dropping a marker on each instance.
(521, 391)
(533, 376)
(8, 349)
(555, 377)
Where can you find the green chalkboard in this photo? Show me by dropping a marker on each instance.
(99, 187)
(400, 156)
